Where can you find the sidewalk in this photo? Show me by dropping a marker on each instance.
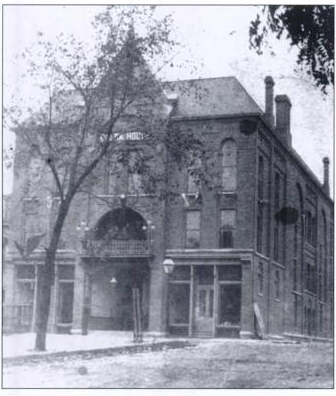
(23, 344)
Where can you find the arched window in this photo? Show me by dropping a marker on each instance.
(309, 228)
(194, 170)
(229, 165)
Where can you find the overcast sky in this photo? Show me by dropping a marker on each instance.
(215, 38)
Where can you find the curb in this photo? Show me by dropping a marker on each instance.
(95, 353)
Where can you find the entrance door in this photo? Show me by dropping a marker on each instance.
(204, 316)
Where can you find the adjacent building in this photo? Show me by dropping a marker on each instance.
(251, 243)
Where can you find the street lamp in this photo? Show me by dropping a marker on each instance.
(168, 265)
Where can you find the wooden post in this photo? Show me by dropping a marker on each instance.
(137, 328)
(191, 302)
(215, 302)
(35, 297)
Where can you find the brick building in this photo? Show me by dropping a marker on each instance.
(252, 247)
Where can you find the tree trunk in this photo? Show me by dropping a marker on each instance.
(47, 280)
(43, 305)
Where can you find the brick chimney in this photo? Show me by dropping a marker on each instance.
(326, 175)
(269, 92)
(283, 106)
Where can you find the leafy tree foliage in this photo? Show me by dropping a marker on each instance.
(308, 27)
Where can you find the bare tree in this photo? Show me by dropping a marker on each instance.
(92, 99)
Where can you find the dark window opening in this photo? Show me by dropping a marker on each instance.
(229, 305)
(229, 166)
(26, 272)
(179, 295)
(260, 278)
(229, 272)
(193, 229)
(227, 228)
(277, 284)
(65, 302)
(180, 273)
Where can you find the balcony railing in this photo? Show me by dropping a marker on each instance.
(115, 247)
(17, 318)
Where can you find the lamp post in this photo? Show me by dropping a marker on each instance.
(168, 266)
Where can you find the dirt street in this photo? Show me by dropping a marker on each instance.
(209, 364)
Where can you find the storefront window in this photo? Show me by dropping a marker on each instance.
(204, 274)
(179, 303)
(181, 273)
(66, 275)
(229, 272)
(229, 305)
(65, 302)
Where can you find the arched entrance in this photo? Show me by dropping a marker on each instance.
(120, 265)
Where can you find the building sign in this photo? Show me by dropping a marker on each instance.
(131, 136)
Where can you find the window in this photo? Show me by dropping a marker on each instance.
(260, 227)
(229, 273)
(277, 284)
(261, 177)
(277, 204)
(295, 272)
(194, 170)
(227, 228)
(31, 206)
(311, 229)
(135, 164)
(113, 172)
(66, 275)
(260, 218)
(193, 229)
(260, 278)
(179, 297)
(321, 318)
(277, 191)
(276, 242)
(296, 310)
(229, 166)
(26, 272)
(311, 278)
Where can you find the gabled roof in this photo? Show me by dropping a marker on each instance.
(209, 97)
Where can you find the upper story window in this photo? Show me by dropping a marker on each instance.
(277, 191)
(193, 223)
(114, 171)
(260, 178)
(310, 229)
(194, 170)
(135, 164)
(277, 284)
(229, 165)
(227, 228)
(260, 278)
